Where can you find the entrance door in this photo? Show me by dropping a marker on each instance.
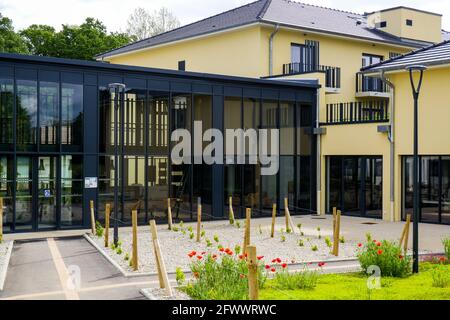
(36, 193)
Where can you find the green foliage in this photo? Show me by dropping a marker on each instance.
(299, 226)
(440, 276)
(328, 242)
(303, 280)
(216, 238)
(260, 229)
(387, 256)
(190, 229)
(191, 235)
(175, 229)
(202, 233)
(119, 250)
(288, 230)
(342, 239)
(223, 278)
(368, 237)
(283, 238)
(314, 248)
(301, 243)
(238, 224)
(10, 41)
(180, 276)
(127, 257)
(99, 230)
(75, 42)
(208, 243)
(181, 224)
(446, 243)
(237, 249)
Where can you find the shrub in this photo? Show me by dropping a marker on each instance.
(190, 229)
(238, 224)
(387, 256)
(127, 257)
(237, 249)
(179, 276)
(314, 248)
(119, 251)
(303, 280)
(191, 235)
(181, 224)
(220, 276)
(328, 242)
(216, 238)
(283, 238)
(208, 243)
(202, 234)
(175, 229)
(342, 239)
(301, 243)
(446, 243)
(99, 230)
(440, 276)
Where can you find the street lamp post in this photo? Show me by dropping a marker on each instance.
(118, 89)
(416, 92)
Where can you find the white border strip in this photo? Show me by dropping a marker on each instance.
(4, 271)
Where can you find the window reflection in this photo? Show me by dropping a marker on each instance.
(72, 117)
(71, 190)
(6, 185)
(6, 114)
(48, 113)
(26, 114)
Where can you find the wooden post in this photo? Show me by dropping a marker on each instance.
(169, 214)
(336, 234)
(252, 261)
(231, 214)
(199, 221)
(334, 230)
(134, 258)
(274, 215)
(407, 226)
(91, 205)
(248, 216)
(161, 267)
(289, 223)
(107, 214)
(1, 220)
(408, 221)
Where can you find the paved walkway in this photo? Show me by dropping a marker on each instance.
(70, 268)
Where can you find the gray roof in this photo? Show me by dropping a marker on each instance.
(433, 55)
(283, 12)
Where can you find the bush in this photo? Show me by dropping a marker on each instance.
(440, 276)
(387, 256)
(99, 230)
(446, 243)
(304, 280)
(180, 277)
(221, 276)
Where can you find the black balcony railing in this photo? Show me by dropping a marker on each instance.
(370, 84)
(332, 74)
(358, 112)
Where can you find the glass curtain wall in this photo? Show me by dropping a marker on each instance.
(304, 172)
(287, 154)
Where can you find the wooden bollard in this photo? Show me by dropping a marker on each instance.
(405, 233)
(134, 258)
(199, 222)
(334, 229)
(289, 223)
(91, 206)
(248, 216)
(161, 267)
(1, 220)
(337, 233)
(169, 214)
(274, 216)
(107, 214)
(231, 211)
(252, 262)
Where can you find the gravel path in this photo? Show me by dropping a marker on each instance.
(175, 246)
(4, 246)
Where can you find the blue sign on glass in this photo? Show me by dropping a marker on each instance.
(47, 193)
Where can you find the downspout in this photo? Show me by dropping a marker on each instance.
(272, 36)
(319, 156)
(391, 137)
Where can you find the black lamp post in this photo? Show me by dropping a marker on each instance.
(416, 91)
(118, 90)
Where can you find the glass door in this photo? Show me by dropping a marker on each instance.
(24, 194)
(46, 202)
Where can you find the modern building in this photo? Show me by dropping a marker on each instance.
(58, 126)
(287, 40)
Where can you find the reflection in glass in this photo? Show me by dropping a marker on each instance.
(24, 194)
(72, 191)
(6, 185)
(48, 113)
(26, 122)
(134, 188)
(232, 178)
(134, 121)
(106, 184)
(287, 178)
(158, 124)
(6, 114)
(445, 174)
(47, 192)
(287, 128)
(158, 187)
(72, 116)
(252, 188)
(429, 189)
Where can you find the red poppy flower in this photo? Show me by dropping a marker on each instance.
(260, 257)
(227, 250)
(278, 260)
(380, 252)
(230, 253)
(374, 241)
(267, 267)
(360, 245)
(204, 252)
(199, 257)
(193, 252)
(273, 270)
(379, 244)
(274, 260)
(284, 265)
(321, 264)
(241, 256)
(400, 257)
(242, 276)
(196, 275)
(214, 256)
(221, 249)
(442, 259)
(190, 255)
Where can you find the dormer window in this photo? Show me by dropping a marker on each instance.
(409, 22)
(383, 24)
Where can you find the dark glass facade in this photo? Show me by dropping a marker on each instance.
(57, 123)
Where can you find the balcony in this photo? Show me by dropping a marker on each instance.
(357, 112)
(370, 87)
(332, 74)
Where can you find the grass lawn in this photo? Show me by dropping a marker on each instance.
(354, 287)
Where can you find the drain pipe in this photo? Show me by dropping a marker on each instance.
(391, 137)
(319, 155)
(272, 36)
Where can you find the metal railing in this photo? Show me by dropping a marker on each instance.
(358, 112)
(332, 74)
(370, 84)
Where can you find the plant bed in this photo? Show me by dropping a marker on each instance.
(354, 287)
(160, 294)
(292, 248)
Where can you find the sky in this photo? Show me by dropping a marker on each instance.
(114, 13)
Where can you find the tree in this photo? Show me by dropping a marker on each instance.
(141, 24)
(74, 42)
(10, 41)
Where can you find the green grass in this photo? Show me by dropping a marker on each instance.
(354, 287)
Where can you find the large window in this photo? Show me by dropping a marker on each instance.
(26, 122)
(72, 117)
(6, 187)
(49, 115)
(71, 191)
(6, 114)
(434, 173)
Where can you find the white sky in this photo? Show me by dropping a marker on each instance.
(114, 13)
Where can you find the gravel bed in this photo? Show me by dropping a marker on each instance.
(4, 247)
(175, 246)
(160, 294)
